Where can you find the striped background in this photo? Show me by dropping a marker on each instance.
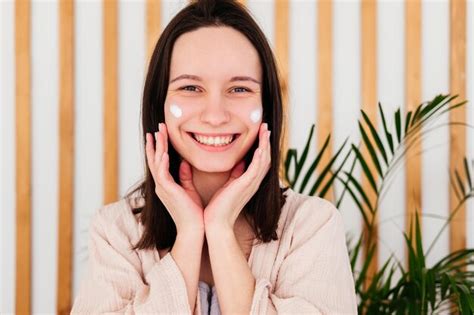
(71, 76)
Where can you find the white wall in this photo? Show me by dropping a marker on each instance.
(7, 158)
(303, 95)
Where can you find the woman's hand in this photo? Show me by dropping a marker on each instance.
(227, 203)
(182, 201)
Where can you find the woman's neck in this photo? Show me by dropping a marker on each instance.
(208, 183)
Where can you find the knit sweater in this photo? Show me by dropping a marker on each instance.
(307, 270)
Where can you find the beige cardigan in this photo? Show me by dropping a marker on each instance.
(307, 270)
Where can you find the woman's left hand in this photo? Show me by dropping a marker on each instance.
(226, 204)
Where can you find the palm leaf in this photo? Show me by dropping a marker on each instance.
(388, 135)
(314, 164)
(326, 171)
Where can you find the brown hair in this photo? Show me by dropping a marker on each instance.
(264, 208)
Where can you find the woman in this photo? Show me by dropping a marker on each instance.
(211, 229)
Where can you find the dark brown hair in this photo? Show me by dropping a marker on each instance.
(264, 208)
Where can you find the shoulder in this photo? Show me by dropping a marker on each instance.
(307, 215)
(116, 220)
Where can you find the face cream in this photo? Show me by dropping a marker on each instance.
(255, 115)
(176, 111)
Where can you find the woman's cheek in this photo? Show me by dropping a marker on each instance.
(180, 111)
(255, 115)
(176, 110)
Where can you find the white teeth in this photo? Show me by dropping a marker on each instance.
(214, 141)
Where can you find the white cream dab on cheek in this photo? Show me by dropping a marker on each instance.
(176, 111)
(255, 115)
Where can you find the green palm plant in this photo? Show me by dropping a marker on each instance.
(419, 290)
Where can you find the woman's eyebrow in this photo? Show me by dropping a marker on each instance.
(197, 78)
(244, 78)
(186, 76)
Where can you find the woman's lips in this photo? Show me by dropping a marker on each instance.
(213, 134)
(212, 148)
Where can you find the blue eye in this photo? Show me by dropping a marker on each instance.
(192, 88)
(246, 90)
(188, 86)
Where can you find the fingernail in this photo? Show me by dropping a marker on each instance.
(155, 135)
(269, 132)
(159, 127)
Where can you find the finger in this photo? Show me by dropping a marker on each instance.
(163, 169)
(261, 135)
(164, 130)
(159, 147)
(262, 156)
(252, 170)
(267, 153)
(186, 176)
(265, 143)
(149, 150)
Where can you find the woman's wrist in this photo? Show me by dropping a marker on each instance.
(190, 231)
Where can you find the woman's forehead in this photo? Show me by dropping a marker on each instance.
(221, 51)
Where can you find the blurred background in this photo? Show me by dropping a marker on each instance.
(71, 80)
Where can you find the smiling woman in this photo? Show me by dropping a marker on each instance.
(212, 211)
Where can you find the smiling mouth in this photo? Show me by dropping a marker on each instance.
(214, 141)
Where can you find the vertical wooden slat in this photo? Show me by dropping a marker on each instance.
(413, 99)
(457, 135)
(153, 24)
(110, 101)
(282, 49)
(324, 124)
(369, 105)
(23, 157)
(66, 155)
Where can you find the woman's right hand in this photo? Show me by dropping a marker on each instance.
(182, 201)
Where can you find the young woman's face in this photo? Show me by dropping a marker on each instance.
(213, 108)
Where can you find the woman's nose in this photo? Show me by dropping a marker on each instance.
(214, 112)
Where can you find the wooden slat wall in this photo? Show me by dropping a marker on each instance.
(66, 156)
(111, 175)
(282, 49)
(369, 96)
(457, 135)
(369, 104)
(23, 156)
(153, 24)
(413, 99)
(325, 76)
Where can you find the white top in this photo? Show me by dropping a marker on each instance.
(209, 302)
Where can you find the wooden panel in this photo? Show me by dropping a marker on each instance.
(282, 49)
(413, 99)
(66, 155)
(457, 134)
(23, 157)
(110, 101)
(153, 24)
(369, 105)
(324, 124)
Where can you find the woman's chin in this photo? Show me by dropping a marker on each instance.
(208, 167)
